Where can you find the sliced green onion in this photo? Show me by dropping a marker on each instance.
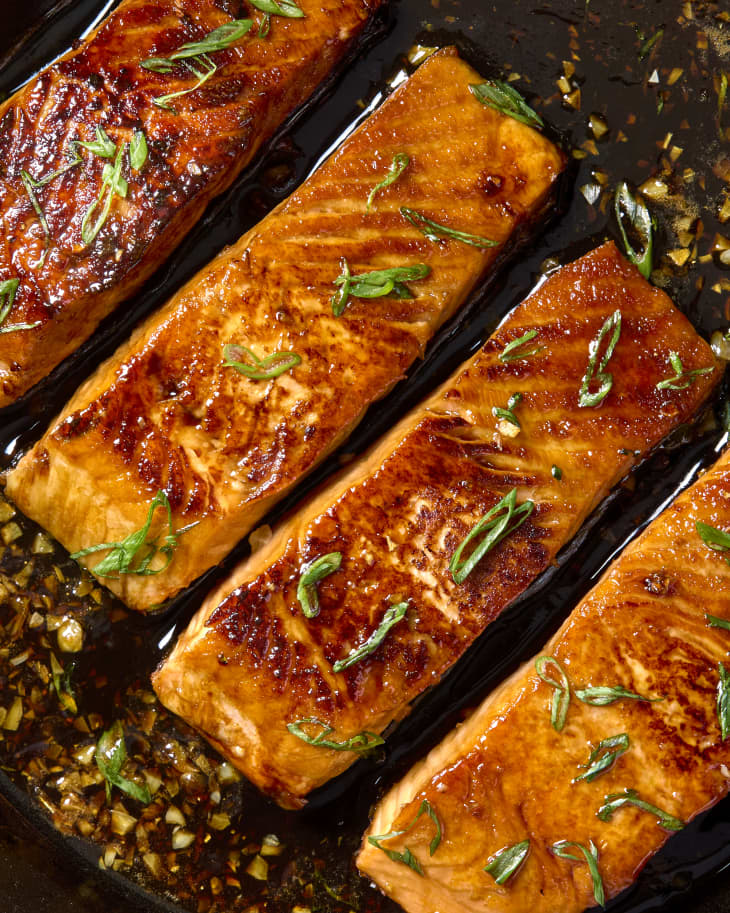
(615, 801)
(510, 351)
(407, 857)
(391, 618)
(681, 379)
(557, 473)
(723, 701)
(110, 755)
(217, 40)
(8, 291)
(498, 523)
(312, 574)
(649, 43)
(112, 183)
(505, 862)
(561, 690)
(604, 755)
(379, 283)
(596, 369)
(261, 368)
(61, 679)
(361, 743)
(138, 150)
(436, 232)
(714, 621)
(399, 164)
(101, 146)
(503, 98)
(590, 856)
(635, 211)
(603, 695)
(508, 415)
(716, 539)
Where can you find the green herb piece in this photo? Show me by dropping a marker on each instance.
(61, 679)
(603, 695)
(505, 862)
(510, 353)
(561, 690)
(194, 57)
(498, 523)
(631, 797)
(649, 43)
(435, 232)
(8, 291)
(32, 184)
(123, 555)
(286, 8)
(557, 473)
(505, 99)
(112, 184)
(262, 368)
(361, 743)
(590, 856)
(391, 618)
(714, 622)
(110, 755)
(508, 415)
(379, 283)
(407, 857)
(311, 575)
(604, 755)
(682, 379)
(596, 369)
(635, 211)
(138, 150)
(101, 146)
(723, 701)
(399, 164)
(721, 97)
(716, 539)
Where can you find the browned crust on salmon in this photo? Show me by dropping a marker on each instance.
(250, 663)
(164, 413)
(194, 154)
(506, 775)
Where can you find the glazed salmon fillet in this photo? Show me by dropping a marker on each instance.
(507, 776)
(67, 263)
(167, 414)
(261, 675)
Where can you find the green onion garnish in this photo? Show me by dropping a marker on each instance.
(311, 575)
(604, 755)
(590, 856)
(379, 283)
(407, 857)
(716, 539)
(110, 755)
(681, 379)
(505, 862)
(557, 473)
(138, 150)
(261, 368)
(634, 210)
(596, 369)
(391, 618)
(361, 743)
(603, 695)
(510, 351)
(286, 8)
(399, 164)
(503, 98)
(615, 801)
(713, 621)
(723, 701)
(101, 146)
(8, 291)
(508, 415)
(561, 690)
(436, 232)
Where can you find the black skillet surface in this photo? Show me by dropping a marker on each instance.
(609, 44)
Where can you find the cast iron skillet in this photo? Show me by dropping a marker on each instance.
(609, 43)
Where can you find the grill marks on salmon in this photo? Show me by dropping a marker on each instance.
(164, 413)
(505, 775)
(194, 154)
(250, 663)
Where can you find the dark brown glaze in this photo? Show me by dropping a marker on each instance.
(251, 662)
(164, 413)
(194, 154)
(506, 775)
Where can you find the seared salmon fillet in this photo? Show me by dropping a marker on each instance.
(68, 263)
(504, 441)
(507, 776)
(167, 414)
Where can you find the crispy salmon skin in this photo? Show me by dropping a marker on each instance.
(251, 666)
(64, 281)
(507, 776)
(167, 414)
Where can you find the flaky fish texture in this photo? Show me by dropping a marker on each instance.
(197, 144)
(165, 412)
(251, 664)
(507, 776)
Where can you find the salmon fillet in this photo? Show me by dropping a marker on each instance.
(251, 666)
(65, 281)
(506, 775)
(166, 414)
